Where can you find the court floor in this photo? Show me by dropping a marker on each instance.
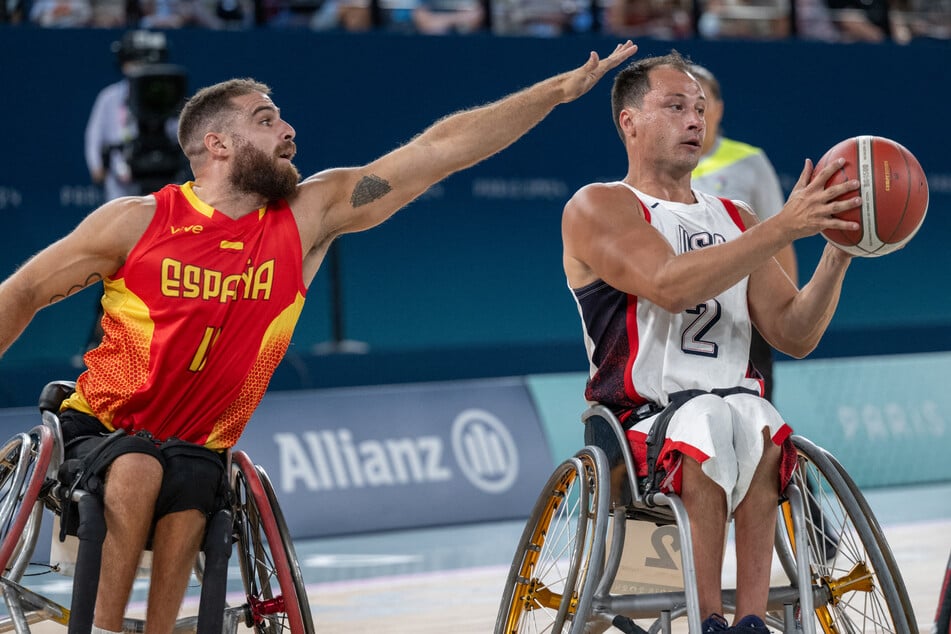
(449, 579)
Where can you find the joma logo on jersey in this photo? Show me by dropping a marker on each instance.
(189, 281)
(694, 241)
(187, 229)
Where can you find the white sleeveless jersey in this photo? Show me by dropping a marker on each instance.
(641, 353)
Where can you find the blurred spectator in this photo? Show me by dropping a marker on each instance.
(929, 19)
(61, 13)
(814, 22)
(11, 11)
(662, 19)
(294, 13)
(543, 18)
(234, 14)
(109, 14)
(745, 19)
(175, 14)
(364, 15)
(442, 17)
(868, 21)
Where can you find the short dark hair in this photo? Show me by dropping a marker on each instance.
(633, 82)
(207, 109)
(708, 78)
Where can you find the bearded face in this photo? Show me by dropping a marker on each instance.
(256, 172)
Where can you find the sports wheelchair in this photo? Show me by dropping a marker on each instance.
(842, 576)
(275, 597)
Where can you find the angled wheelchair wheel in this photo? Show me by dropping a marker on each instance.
(277, 598)
(560, 555)
(24, 462)
(856, 581)
(942, 619)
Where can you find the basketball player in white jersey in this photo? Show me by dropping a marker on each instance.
(668, 281)
(737, 170)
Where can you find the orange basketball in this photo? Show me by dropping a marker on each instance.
(894, 192)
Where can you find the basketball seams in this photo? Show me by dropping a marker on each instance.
(866, 173)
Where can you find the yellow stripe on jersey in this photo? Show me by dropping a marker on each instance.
(274, 343)
(200, 206)
(188, 189)
(128, 330)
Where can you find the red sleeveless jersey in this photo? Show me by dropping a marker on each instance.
(195, 322)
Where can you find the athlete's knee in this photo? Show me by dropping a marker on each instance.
(131, 487)
(709, 419)
(139, 470)
(186, 528)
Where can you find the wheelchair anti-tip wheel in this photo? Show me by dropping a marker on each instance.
(277, 598)
(561, 551)
(859, 585)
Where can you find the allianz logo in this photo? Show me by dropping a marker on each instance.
(482, 450)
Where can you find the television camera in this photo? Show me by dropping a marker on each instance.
(157, 91)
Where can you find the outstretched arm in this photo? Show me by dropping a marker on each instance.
(353, 199)
(95, 249)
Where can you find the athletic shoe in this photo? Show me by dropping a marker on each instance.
(714, 623)
(751, 624)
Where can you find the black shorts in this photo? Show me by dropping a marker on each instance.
(193, 476)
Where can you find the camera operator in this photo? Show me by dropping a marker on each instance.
(131, 136)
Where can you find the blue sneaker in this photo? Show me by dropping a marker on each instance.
(751, 624)
(714, 623)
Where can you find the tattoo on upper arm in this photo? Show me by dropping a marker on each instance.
(369, 188)
(92, 279)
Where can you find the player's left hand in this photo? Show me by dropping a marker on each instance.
(581, 80)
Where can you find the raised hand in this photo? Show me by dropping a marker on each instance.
(582, 79)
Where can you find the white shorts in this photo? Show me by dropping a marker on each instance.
(723, 434)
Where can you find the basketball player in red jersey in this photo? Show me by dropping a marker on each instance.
(203, 285)
(669, 281)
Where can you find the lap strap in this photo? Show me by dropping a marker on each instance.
(658, 431)
(75, 474)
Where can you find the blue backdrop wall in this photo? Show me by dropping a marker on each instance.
(472, 271)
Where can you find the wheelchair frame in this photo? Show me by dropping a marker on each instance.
(275, 595)
(832, 550)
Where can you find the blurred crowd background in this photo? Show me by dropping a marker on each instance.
(900, 21)
(96, 86)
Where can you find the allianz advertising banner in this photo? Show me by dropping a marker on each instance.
(368, 459)
(376, 458)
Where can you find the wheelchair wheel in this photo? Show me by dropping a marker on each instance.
(277, 598)
(560, 555)
(942, 619)
(859, 585)
(24, 461)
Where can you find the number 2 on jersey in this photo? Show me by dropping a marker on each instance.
(692, 339)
